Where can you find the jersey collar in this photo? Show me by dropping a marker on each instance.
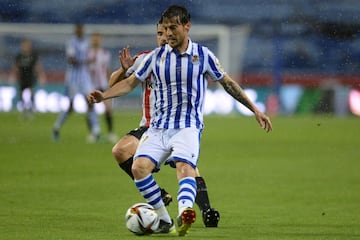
(188, 50)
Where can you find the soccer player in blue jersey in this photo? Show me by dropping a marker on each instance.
(78, 81)
(180, 70)
(124, 150)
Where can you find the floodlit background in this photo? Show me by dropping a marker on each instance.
(298, 61)
(292, 56)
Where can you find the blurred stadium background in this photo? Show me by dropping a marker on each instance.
(292, 56)
(299, 182)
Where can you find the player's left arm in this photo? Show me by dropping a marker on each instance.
(119, 89)
(236, 91)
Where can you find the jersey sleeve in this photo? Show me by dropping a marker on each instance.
(136, 64)
(144, 69)
(214, 67)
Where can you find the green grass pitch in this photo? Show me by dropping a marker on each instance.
(301, 181)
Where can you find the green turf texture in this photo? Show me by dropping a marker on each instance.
(301, 181)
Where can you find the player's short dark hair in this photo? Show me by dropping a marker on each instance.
(159, 22)
(177, 11)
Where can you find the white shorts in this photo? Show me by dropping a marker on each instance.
(170, 145)
(78, 82)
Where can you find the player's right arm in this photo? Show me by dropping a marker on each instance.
(117, 90)
(116, 76)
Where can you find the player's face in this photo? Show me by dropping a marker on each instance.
(161, 36)
(79, 30)
(26, 46)
(176, 33)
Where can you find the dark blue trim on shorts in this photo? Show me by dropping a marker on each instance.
(174, 159)
(156, 169)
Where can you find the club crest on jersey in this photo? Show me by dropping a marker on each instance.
(195, 58)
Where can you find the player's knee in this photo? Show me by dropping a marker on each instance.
(118, 153)
(115, 153)
(184, 170)
(125, 148)
(142, 167)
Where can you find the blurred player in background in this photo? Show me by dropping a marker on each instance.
(100, 73)
(125, 149)
(78, 81)
(26, 71)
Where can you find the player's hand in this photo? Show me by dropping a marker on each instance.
(125, 58)
(264, 121)
(95, 96)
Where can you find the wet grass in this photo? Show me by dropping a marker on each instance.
(299, 182)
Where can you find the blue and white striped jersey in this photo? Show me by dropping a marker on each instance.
(180, 82)
(78, 79)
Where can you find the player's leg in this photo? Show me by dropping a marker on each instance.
(26, 99)
(22, 99)
(186, 197)
(185, 145)
(93, 119)
(84, 87)
(124, 150)
(31, 102)
(63, 115)
(31, 87)
(211, 216)
(150, 190)
(142, 168)
(61, 120)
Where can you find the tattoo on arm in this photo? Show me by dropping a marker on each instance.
(236, 92)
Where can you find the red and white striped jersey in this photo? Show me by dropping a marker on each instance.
(147, 96)
(99, 67)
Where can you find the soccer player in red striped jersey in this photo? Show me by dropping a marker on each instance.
(100, 73)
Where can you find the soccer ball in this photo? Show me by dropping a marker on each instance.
(141, 219)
